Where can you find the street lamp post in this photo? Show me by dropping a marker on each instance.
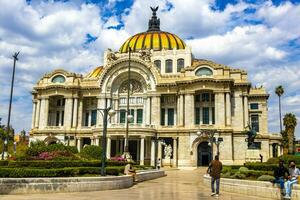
(15, 56)
(129, 117)
(106, 111)
(210, 134)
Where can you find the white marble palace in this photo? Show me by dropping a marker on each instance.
(174, 97)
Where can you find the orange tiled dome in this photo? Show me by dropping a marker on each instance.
(156, 40)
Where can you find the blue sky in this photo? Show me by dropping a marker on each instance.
(260, 36)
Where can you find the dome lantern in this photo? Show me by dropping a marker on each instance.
(154, 22)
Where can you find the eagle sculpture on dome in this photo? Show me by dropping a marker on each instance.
(154, 22)
(154, 10)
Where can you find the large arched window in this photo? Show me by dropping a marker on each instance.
(169, 66)
(204, 71)
(157, 64)
(58, 79)
(180, 64)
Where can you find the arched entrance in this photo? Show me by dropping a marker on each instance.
(204, 154)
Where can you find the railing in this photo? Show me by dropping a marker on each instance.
(55, 127)
(131, 125)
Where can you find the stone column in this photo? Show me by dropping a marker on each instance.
(75, 109)
(148, 111)
(152, 153)
(210, 115)
(90, 118)
(189, 112)
(114, 103)
(174, 152)
(117, 113)
(108, 147)
(33, 114)
(278, 150)
(144, 110)
(156, 111)
(97, 141)
(68, 112)
(37, 114)
(246, 111)
(44, 109)
(142, 150)
(228, 109)
(79, 144)
(220, 109)
(80, 109)
(46, 112)
(181, 108)
(100, 105)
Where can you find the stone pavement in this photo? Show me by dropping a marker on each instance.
(178, 185)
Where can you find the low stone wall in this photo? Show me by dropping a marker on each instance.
(149, 175)
(252, 188)
(72, 184)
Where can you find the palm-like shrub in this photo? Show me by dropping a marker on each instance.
(91, 152)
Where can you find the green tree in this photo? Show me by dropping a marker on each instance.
(290, 123)
(279, 91)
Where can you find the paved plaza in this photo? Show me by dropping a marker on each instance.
(178, 184)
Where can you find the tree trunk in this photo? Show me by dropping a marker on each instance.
(290, 133)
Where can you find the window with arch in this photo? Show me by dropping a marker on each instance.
(58, 79)
(169, 66)
(180, 64)
(204, 71)
(157, 64)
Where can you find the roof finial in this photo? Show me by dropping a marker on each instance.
(154, 22)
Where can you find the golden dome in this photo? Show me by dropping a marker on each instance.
(95, 73)
(156, 40)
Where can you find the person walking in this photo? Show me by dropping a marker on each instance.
(214, 170)
(280, 173)
(292, 179)
(158, 163)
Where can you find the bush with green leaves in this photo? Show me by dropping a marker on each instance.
(91, 152)
(243, 169)
(38, 147)
(238, 175)
(226, 175)
(57, 172)
(273, 161)
(288, 158)
(261, 166)
(266, 178)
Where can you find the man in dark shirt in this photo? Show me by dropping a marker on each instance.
(280, 173)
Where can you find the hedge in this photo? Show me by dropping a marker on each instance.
(261, 166)
(288, 158)
(57, 164)
(38, 147)
(91, 152)
(59, 172)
